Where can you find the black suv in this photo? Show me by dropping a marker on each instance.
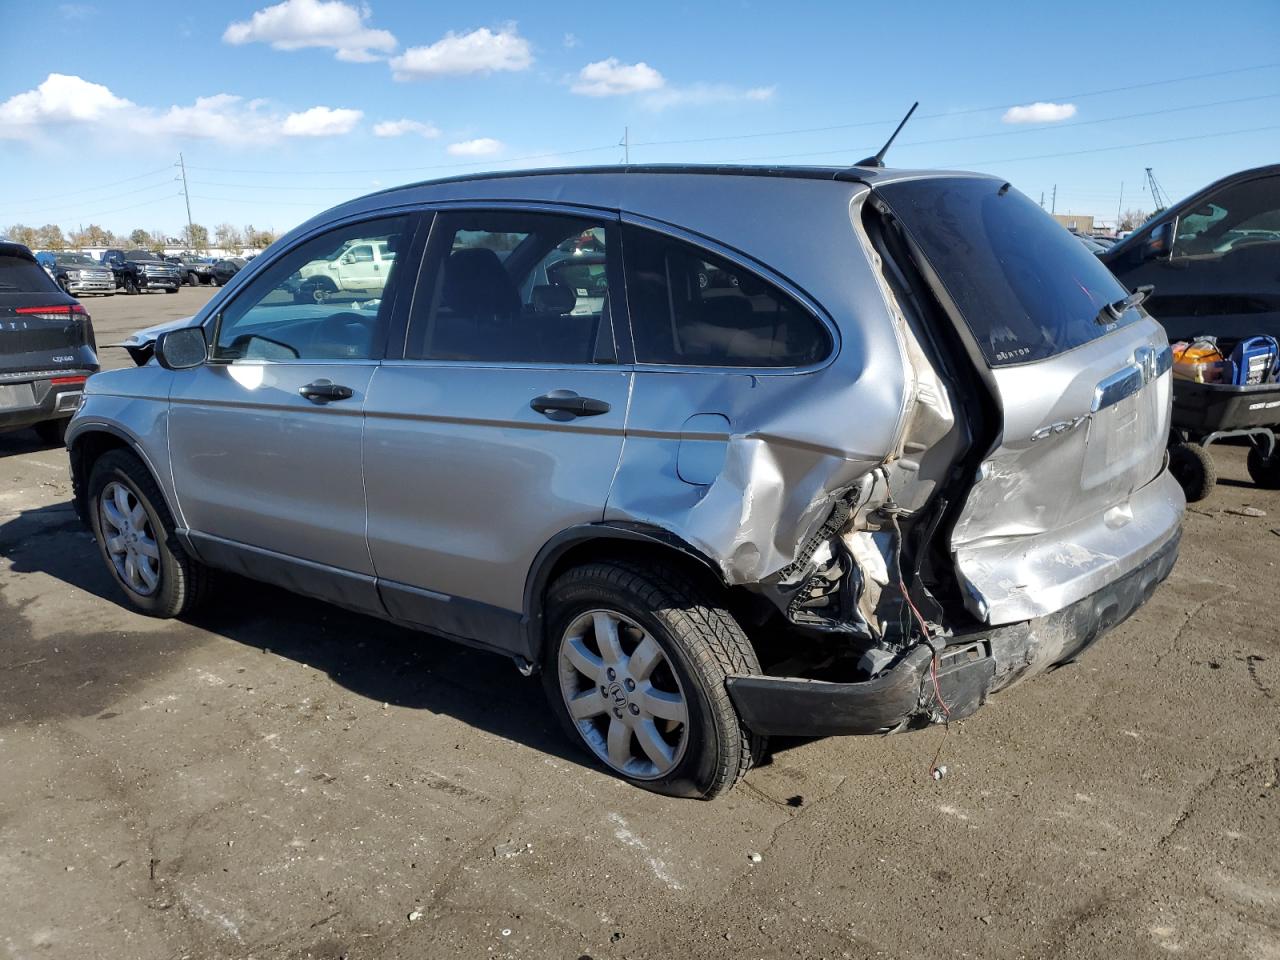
(47, 350)
(1211, 258)
(140, 270)
(192, 270)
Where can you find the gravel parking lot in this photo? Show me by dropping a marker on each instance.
(278, 778)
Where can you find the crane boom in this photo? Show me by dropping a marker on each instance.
(1158, 196)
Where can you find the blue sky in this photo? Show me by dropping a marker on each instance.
(282, 110)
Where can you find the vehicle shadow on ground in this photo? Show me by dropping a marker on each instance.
(15, 443)
(371, 658)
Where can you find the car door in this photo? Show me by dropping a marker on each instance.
(500, 426)
(265, 437)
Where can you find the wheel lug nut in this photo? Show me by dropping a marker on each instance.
(635, 710)
(612, 674)
(631, 684)
(617, 713)
(604, 691)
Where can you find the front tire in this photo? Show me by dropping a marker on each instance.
(135, 534)
(130, 286)
(635, 667)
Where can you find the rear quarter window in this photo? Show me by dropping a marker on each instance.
(690, 307)
(1027, 288)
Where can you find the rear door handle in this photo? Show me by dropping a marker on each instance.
(566, 405)
(325, 391)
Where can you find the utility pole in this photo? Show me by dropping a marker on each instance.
(191, 230)
(1053, 206)
(1119, 206)
(1041, 199)
(625, 144)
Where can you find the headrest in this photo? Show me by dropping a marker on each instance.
(477, 285)
(554, 298)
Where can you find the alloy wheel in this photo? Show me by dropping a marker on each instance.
(623, 695)
(129, 539)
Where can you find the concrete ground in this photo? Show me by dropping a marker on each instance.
(281, 779)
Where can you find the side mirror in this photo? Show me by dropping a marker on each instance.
(182, 349)
(1159, 242)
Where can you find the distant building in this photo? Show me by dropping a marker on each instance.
(1076, 223)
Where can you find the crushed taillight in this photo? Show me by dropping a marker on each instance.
(57, 312)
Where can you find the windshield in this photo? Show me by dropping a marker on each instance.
(76, 260)
(142, 255)
(1026, 288)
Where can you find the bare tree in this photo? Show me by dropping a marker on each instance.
(196, 237)
(21, 233)
(49, 237)
(228, 238)
(91, 236)
(1132, 219)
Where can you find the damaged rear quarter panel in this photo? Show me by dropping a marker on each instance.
(795, 439)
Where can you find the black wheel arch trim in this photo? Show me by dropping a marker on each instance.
(617, 531)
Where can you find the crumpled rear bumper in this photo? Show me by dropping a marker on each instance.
(970, 668)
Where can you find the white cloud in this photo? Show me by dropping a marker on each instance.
(705, 94)
(320, 122)
(398, 128)
(69, 100)
(613, 78)
(1039, 113)
(60, 99)
(298, 24)
(480, 51)
(480, 147)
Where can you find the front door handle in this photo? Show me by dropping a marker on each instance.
(566, 405)
(324, 391)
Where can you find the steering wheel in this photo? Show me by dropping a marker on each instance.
(344, 332)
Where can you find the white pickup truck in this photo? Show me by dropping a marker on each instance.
(362, 267)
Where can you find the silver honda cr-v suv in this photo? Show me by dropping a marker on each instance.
(722, 453)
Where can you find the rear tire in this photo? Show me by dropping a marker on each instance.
(650, 698)
(176, 583)
(1194, 470)
(53, 432)
(1265, 471)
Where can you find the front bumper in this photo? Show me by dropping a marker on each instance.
(970, 668)
(91, 286)
(27, 402)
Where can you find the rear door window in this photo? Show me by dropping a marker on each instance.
(1026, 287)
(690, 307)
(514, 287)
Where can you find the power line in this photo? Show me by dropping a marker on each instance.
(1014, 133)
(433, 166)
(951, 113)
(168, 183)
(99, 186)
(1122, 146)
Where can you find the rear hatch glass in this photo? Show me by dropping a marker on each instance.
(1026, 288)
(20, 275)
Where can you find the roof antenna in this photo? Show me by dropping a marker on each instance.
(878, 159)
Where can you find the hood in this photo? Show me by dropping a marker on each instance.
(141, 343)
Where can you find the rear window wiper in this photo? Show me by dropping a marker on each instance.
(1114, 312)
